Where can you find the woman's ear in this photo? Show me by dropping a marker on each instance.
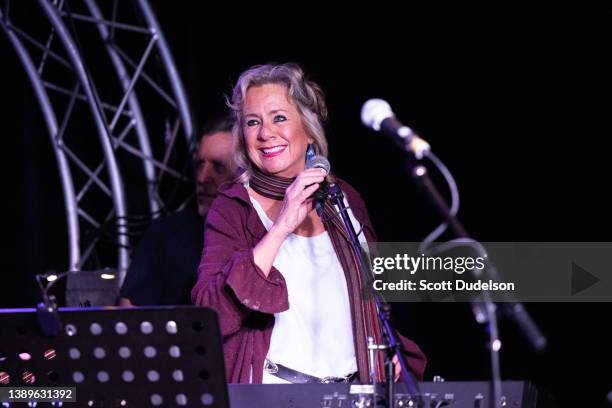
(310, 141)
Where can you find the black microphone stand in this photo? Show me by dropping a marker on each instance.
(393, 346)
(485, 309)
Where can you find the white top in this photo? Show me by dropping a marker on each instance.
(315, 335)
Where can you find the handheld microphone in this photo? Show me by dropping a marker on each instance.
(377, 114)
(320, 162)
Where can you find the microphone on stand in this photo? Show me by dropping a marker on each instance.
(377, 114)
(320, 162)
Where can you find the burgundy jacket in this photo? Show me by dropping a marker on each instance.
(243, 297)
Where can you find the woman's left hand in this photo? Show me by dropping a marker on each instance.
(397, 368)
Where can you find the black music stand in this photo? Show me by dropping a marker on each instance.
(119, 357)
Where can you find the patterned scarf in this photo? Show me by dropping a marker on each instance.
(363, 311)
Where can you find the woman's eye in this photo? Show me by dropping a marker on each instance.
(252, 122)
(280, 118)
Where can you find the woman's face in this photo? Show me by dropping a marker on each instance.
(275, 138)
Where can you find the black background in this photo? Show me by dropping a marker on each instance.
(513, 101)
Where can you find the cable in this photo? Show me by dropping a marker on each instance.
(361, 226)
(454, 208)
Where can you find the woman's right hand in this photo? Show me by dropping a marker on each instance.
(298, 201)
(295, 207)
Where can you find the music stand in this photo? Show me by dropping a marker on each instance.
(119, 357)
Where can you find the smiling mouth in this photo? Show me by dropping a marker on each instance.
(272, 151)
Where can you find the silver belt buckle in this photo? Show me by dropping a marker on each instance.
(330, 379)
(270, 367)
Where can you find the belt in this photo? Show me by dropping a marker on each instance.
(297, 377)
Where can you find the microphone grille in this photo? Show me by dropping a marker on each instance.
(319, 162)
(374, 111)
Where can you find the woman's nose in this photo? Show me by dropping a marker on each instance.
(266, 131)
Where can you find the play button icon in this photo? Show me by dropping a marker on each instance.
(581, 279)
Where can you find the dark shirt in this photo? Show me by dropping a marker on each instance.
(165, 263)
(245, 298)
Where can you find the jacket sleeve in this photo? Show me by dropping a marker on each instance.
(228, 279)
(415, 358)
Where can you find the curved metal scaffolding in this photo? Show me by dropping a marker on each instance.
(104, 132)
(155, 143)
(52, 128)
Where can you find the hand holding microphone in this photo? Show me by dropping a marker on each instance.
(309, 188)
(298, 202)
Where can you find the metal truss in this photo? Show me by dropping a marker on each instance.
(117, 115)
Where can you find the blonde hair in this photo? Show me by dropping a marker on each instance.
(307, 96)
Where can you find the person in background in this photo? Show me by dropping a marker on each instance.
(164, 266)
